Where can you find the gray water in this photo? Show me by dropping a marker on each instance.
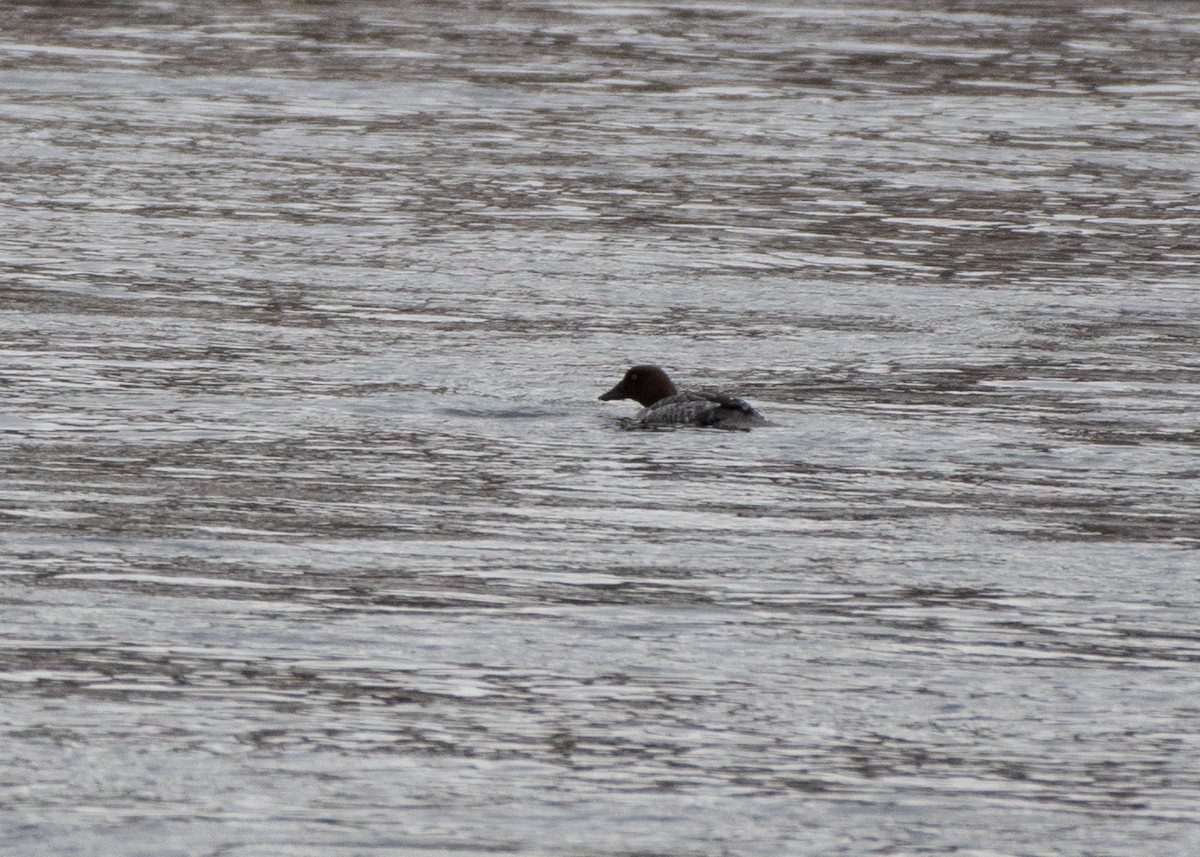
(317, 542)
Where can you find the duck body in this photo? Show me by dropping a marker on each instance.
(664, 404)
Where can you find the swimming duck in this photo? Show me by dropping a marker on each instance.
(663, 404)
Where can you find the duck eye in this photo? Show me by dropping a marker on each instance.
(633, 376)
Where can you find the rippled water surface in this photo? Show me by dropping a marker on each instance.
(316, 540)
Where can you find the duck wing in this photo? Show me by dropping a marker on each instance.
(702, 409)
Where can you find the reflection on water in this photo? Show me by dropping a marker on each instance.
(319, 543)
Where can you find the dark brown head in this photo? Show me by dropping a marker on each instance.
(643, 384)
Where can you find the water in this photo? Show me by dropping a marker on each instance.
(318, 542)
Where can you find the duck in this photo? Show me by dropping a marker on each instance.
(664, 404)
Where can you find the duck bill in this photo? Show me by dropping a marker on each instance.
(617, 392)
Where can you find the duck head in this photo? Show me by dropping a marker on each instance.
(644, 384)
